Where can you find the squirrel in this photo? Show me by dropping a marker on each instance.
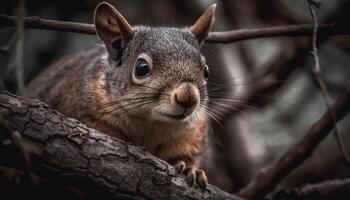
(145, 85)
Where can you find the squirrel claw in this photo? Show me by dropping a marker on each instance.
(180, 166)
(192, 174)
(201, 179)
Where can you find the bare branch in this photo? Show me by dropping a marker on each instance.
(330, 189)
(17, 61)
(266, 180)
(214, 37)
(278, 31)
(319, 77)
(11, 55)
(45, 24)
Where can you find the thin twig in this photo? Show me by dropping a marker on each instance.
(11, 59)
(277, 31)
(266, 180)
(329, 189)
(320, 80)
(45, 24)
(214, 37)
(17, 51)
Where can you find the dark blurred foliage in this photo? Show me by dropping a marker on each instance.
(250, 139)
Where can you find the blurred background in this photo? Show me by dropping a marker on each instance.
(259, 131)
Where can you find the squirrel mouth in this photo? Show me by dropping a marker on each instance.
(178, 117)
(181, 116)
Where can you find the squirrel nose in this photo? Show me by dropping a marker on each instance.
(185, 101)
(186, 96)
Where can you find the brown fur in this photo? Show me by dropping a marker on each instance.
(76, 98)
(166, 140)
(162, 112)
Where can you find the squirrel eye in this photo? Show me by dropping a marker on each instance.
(206, 71)
(142, 68)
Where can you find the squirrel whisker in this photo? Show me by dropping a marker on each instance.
(131, 103)
(224, 106)
(115, 102)
(115, 80)
(139, 104)
(212, 113)
(252, 83)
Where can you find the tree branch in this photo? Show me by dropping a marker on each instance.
(320, 80)
(277, 31)
(102, 166)
(266, 180)
(18, 47)
(214, 37)
(45, 24)
(330, 189)
(11, 55)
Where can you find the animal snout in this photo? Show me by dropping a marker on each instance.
(186, 96)
(185, 101)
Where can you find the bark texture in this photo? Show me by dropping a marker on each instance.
(102, 166)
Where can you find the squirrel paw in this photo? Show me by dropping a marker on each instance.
(192, 175)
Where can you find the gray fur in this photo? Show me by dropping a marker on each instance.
(175, 53)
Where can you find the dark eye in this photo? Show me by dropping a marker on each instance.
(142, 68)
(206, 71)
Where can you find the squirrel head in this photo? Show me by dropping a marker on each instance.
(155, 73)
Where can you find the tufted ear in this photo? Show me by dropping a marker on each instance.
(204, 24)
(112, 28)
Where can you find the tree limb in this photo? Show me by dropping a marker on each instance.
(214, 37)
(46, 24)
(330, 189)
(11, 55)
(18, 46)
(277, 31)
(266, 180)
(102, 166)
(320, 80)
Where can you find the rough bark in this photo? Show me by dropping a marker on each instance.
(102, 166)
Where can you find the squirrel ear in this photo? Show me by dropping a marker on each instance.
(204, 24)
(111, 26)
